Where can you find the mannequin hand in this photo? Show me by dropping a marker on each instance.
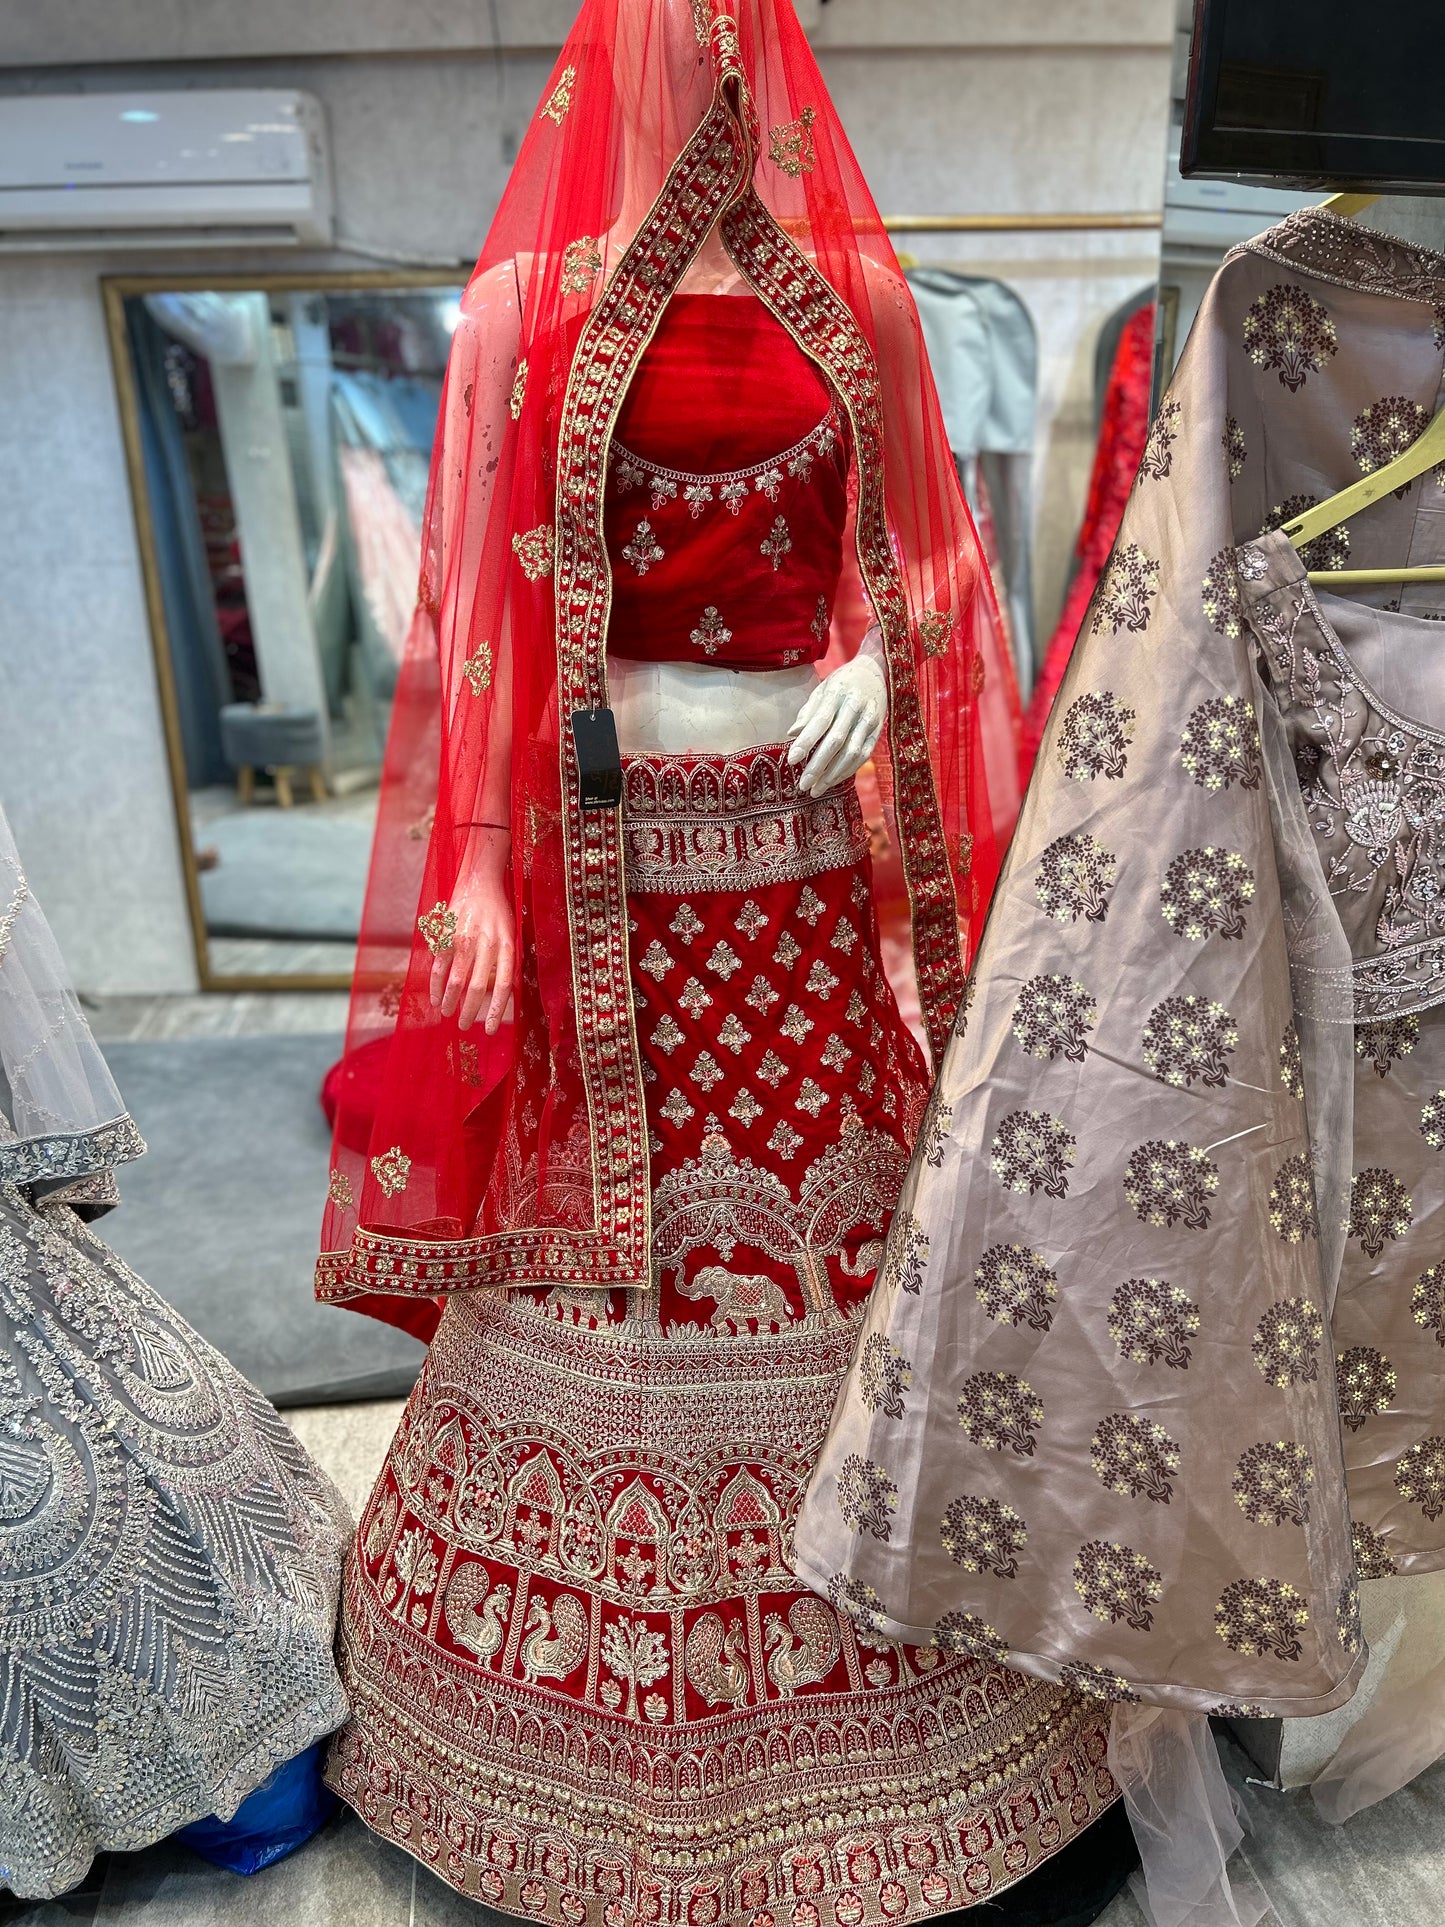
(839, 725)
(482, 959)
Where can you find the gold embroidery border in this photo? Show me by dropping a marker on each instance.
(822, 325)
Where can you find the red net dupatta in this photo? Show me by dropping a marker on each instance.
(462, 1161)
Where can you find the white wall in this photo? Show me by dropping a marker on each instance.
(954, 106)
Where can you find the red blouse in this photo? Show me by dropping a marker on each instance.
(727, 496)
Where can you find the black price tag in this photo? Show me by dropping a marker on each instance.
(599, 762)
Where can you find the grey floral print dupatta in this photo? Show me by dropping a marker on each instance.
(1153, 1372)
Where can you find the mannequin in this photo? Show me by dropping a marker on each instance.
(671, 1142)
(832, 724)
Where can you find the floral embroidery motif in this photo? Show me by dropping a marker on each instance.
(1170, 1183)
(1427, 1302)
(907, 1254)
(1381, 1210)
(884, 1376)
(536, 551)
(464, 1061)
(1095, 737)
(1258, 1616)
(644, 550)
(1220, 745)
(933, 1139)
(778, 544)
(966, 1633)
(1219, 596)
(1432, 1122)
(996, 1410)
(1053, 1017)
(751, 920)
(1032, 1152)
(1272, 1484)
(866, 1497)
(706, 1072)
(687, 924)
(1158, 456)
(655, 961)
(983, 1535)
(1420, 1477)
(1235, 452)
(790, 147)
(439, 929)
(478, 669)
(340, 1193)
(560, 99)
(668, 1034)
(1392, 1038)
(1373, 1558)
(745, 1108)
(1207, 890)
(1291, 1063)
(1288, 330)
(1367, 1383)
(1135, 1457)
(1115, 1583)
(785, 1140)
(935, 631)
(1127, 592)
(818, 627)
(1292, 1207)
(1347, 1617)
(1286, 1343)
(676, 1110)
(581, 264)
(1074, 880)
(1097, 1682)
(518, 396)
(1189, 1039)
(712, 633)
(1152, 1321)
(1016, 1287)
(392, 1170)
(1328, 551)
(1385, 430)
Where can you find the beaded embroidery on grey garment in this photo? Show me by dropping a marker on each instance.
(169, 1562)
(1373, 784)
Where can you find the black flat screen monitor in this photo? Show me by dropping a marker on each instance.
(1318, 93)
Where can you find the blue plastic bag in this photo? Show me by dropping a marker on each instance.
(275, 1820)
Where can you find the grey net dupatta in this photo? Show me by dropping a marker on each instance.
(62, 1122)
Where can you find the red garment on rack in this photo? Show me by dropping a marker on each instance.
(1123, 432)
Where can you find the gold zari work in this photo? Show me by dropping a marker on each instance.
(560, 98)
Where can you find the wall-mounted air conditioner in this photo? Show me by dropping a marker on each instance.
(213, 167)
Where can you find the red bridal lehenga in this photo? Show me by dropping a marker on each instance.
(585, 1684)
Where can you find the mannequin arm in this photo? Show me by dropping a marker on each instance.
(840, 723)
(476, 973)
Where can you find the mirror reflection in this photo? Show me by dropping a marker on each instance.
(285, 438)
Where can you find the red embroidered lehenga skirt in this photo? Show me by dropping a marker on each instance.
(585, 1685)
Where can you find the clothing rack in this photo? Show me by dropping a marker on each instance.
(1019, 223)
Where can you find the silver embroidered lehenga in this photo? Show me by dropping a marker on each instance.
(169, 1557)
(1168, 1280)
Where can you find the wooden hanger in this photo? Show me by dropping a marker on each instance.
(1416, 460)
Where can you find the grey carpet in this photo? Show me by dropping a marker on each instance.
(223, 1216)
(286, 873)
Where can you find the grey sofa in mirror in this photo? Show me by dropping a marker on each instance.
(279, 432)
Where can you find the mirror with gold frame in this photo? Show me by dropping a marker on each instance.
(278, 431)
